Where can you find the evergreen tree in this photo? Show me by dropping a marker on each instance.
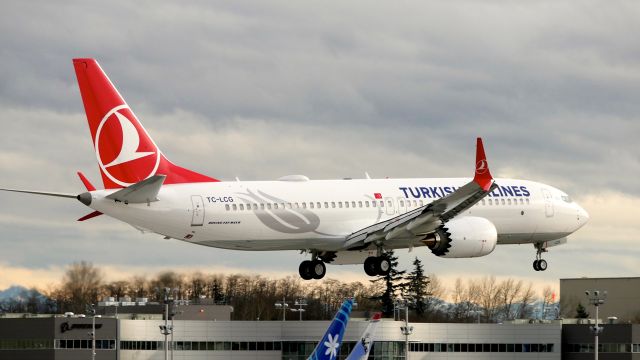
(416, 290)
(581, 312)
(392, 284)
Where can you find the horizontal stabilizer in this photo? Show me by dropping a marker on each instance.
(90, 216)
(141, 192)
(86, 182)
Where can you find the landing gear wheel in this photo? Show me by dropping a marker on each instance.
(317, 269)
(542, 265)
(370, 266)
(383, 266)
(539, 264)
(305, 270)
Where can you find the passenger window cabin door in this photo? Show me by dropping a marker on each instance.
(197, 214)
(548, 203)
(388, 204)
(402, 205)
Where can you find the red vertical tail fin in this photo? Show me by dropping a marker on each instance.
(125, 152)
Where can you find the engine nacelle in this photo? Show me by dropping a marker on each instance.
(464, 237)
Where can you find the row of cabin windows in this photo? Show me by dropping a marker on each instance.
(312, 205)
(357, 204)
(504, 201)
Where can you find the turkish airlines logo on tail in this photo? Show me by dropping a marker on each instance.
(481, 167)
(126, 154)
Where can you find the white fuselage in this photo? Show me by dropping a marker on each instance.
(319, 214)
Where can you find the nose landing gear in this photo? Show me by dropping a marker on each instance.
(539, 264)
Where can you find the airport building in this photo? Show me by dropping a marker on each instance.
(621, 305)
(131, 331)
(126, 339)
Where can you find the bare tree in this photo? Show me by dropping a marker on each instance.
(526, 299)
(548, 296)
(510, 290)
(81, 286)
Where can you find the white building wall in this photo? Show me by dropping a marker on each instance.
(148, 330)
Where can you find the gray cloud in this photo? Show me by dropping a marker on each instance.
(328, 89)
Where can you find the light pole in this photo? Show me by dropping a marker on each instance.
(166, 329)
(284, 306)
(596, 298)
(300, 303)
(92, 311)
(406, 329)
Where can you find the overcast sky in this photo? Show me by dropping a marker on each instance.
(330, 89)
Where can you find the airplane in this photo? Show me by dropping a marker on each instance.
(348, 221)
(329, 347)
(363, 347)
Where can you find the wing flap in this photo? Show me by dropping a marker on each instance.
(144, 191)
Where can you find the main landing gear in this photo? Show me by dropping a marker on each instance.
(377, 265)
(312, 269)
(539, 264)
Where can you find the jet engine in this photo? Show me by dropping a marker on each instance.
(464, 237)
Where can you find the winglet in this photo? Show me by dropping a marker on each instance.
(86, 182)
(483, 175)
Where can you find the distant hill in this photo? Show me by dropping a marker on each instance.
(15, 292)
(20, 299)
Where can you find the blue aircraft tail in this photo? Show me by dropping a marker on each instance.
(329, 347)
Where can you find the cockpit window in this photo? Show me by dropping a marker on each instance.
(566, 198)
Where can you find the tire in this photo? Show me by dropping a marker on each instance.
(542, 265)
(535, 265)
(305, 270)
(383, 266)
(370, 266)
(317, 269)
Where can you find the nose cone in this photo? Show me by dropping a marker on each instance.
(583, 216)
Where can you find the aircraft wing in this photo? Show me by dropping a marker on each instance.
(428, 218)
